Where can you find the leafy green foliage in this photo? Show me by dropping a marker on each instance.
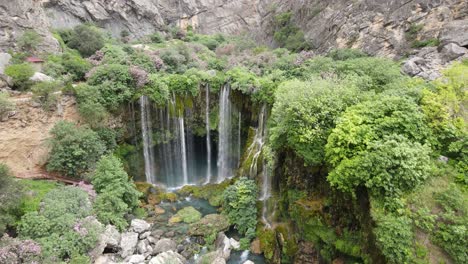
(62, 226)
(115, 84)
(75, 150)
(189, 214)
(239, 205)
(387, 167)
(117, 194)
(304, 114)
(87, 39)
(67, 63)
(89, 105)
(29, 41)
(45, 93)
(20, 73)
(10, 198)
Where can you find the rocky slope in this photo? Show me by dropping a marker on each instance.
(379, 27)
(24, 134)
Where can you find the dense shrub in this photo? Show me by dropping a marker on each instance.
(115, 84)
(87, 39)
(63, 225)
(89, 105)
(287, 34)
(67, 64)
(304, 113)
(75, 150)
(20, 73)
(10, 198)
(45, 93)
(117, 194)
(239, 205)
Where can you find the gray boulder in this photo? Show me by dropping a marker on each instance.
(411, 66)
(164, 245)
(219, 260)
(452, 51)
(40, 77)
(139, 226)
(455, 31)
(4, 60)
(128, 244)
(135, 259)
(168, 257)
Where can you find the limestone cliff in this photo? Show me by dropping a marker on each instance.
(378, 27)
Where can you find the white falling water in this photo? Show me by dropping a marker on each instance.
(183, 150)
(208, 136)
(225, 135)
(255, 149)
(147, 132)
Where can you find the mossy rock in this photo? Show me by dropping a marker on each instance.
(171, 197)
(209, 224)
(211, 192)
(175, 219)
(189, 215)
(143, 187)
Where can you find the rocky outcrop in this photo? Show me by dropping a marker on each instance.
(24, 134)
(212, 223)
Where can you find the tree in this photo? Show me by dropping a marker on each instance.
(29, 40)
(240, 206)
(305, 112)
(115, 83)
(20, 73)
(75, 150)
(117, 194)
(86, 39)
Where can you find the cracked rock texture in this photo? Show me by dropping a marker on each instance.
(379, 27)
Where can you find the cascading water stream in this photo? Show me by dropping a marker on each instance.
(183, 149)
(225, 134)
(147, 133)
(208, 135)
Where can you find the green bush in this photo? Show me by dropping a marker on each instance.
(156, 37)
(240, 206)
(10, 198)
(62, 226)
(89, 105)
(287, 34)
(87, 39)
(45, 94)
(115, 84)
(117, 194)
(20, 73)
(29, 40)
(304, 113)
(75, 150)
(6, 105)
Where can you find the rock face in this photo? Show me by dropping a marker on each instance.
(378, 27)
(23, 136)
(168, 257)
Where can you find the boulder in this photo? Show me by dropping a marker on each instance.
(157, 233)
(411, 66)
(164, 245)
(145, 235)
(188, 215)
(110, 238)
(168, 257)
(248, 262)
(455, 31)
(234, 243)
(219, 260)
(40, 77)
(223, 246)
(135, 259)
(105, 259)
(159, 210)
(209, 224)
(4, 60)
(152, 240)
(142, 246)
(452, 51)
(174, 220)
(139, 226)
(128, 244)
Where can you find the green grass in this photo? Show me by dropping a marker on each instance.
(35, 190)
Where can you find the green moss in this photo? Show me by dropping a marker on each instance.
(268, 242)
(188, 215)
(288, 240)
(211, 192)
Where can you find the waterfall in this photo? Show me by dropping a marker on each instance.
(255, 149)
(183, 149)
(225, 135)
(208, 135)
(147, 133)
